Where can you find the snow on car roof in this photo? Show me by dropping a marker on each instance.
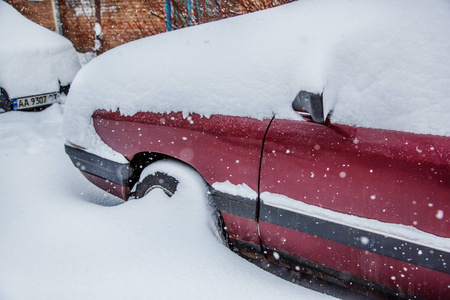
(32, 58)
(378, 64)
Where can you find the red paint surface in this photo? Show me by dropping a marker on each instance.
(411, 279)
(393, 177)
(220, 148)
(390, 176)
(241, 228)
(111, 187)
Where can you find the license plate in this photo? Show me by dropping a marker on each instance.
(34, 101)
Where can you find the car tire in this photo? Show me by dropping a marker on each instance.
(159, 180)
(5, 103)
(64, 89)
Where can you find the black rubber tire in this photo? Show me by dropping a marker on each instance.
(157, 180)
(5, 103)
(64, 89)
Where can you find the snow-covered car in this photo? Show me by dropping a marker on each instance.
(320, 127)
(36, 64)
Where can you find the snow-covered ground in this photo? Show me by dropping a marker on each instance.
(58, 242)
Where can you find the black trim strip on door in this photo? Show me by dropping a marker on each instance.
(391, 247)
(235, 205)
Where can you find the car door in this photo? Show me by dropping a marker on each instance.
(360, 204)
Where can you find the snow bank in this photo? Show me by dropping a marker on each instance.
(32, 58)
(379, 64)
(56, 243)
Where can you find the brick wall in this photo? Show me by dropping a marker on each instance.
(40, 12)
(123, 21)
(77, 22)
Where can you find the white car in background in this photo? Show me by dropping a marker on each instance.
(36, 64)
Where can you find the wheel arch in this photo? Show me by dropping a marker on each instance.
(143, 159)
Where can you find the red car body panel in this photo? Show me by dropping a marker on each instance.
(353, 262)
(396, 178)
(221, 148)
(393, 177)
(115, 189)
(242, 229)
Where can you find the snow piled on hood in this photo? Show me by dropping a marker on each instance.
(379, 64)
(32, 58)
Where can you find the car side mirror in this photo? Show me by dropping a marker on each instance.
(310, 103)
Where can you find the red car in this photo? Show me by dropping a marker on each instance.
(361, 206)
(310, 178)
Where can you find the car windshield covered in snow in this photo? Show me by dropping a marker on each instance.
(321, 129)
(45, 62)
